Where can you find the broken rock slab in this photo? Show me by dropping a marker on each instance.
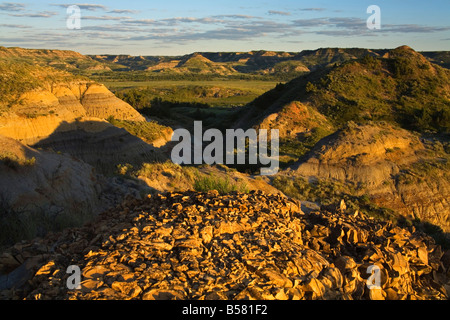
(198, 246)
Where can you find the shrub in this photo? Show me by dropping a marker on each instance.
(14, 162)
(123, 169)
(311, 87)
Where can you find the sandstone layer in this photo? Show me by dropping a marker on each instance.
(101, 103)
(380, 161)
(46, 111)
(237, 246)
(292, 120)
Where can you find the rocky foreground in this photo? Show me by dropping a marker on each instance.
(237, 246)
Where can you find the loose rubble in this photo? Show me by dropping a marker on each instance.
(237, 246)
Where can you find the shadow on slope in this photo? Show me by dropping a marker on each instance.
(102, 145)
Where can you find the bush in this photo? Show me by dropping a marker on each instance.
(123, 169)
(311, 87)
(14, 162)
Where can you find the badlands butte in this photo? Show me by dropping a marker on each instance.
(86, 177)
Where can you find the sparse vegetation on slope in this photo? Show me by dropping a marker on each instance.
(403, 88)
(149, 131)
(19, 77)
(12, 161)
(222, 185)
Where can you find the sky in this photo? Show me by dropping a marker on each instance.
(177, 27)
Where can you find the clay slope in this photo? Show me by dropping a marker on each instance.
(93, 98)
(31, 90)
(75, 180)
(101, 103)
(100, 144)
(391, 165)
(44, 111)
(62, 112)
(293, 120)
(361, 153)
(92, 140)
(44, 191)
(205, 246)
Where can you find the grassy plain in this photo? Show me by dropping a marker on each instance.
(212, 92)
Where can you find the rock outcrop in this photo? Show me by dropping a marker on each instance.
(43, 112)
(237, 246)
(101, 103)
(292, 120)
(379, 161)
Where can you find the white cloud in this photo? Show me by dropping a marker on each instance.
(105, 18)
(312, 9)
(279, 13)
(83, 6)
(44, 14)
(120, 11)
(20, 26)
(12, 6)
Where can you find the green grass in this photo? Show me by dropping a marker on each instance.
(398, 90)
(213, 93)
(168, 168)
(147, 131)
(239, 84)
(222, 185)
(185, 177)
(403, 89)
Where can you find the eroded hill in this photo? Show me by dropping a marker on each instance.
(253, 62)
(44, 191)
(394, 167)
(378, 125)
(55, 143)
(402, 87)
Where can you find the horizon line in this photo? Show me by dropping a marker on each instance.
(194, 52)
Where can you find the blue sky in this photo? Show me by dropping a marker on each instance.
(175, 27)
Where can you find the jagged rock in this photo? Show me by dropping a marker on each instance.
(254, 246)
